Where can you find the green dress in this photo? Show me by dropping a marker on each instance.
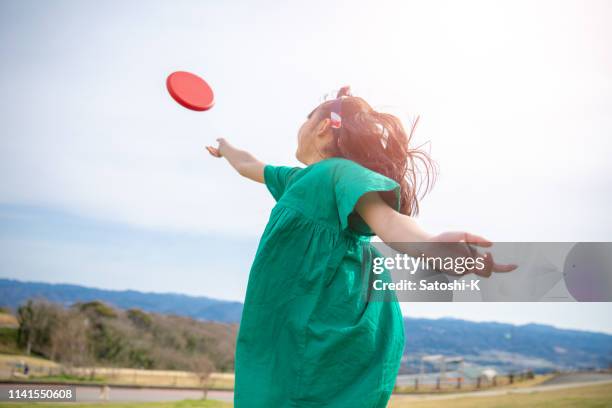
(308, 337)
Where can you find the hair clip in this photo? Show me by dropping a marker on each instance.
(336, 120)
(336, 108)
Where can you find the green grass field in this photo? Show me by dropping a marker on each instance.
(599, 396)
(179, 404)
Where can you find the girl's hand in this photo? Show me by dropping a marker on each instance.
(214, 152)
(462, 244)
(218, 151)
(404, 235)
(243, 162)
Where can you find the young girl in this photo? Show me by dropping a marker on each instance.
(308, 337)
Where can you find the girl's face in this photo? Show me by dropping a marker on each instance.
(313, 136)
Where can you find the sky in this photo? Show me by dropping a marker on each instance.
(104, 180)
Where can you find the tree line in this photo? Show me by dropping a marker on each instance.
(94, 333)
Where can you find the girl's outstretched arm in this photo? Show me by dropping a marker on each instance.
(390, 226)
(403, 234)
(244, 162)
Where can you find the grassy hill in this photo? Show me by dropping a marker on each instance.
(94, 333)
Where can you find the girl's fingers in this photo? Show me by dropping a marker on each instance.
(461, 236)
(213, 151)
(504, 267)
(488, 266)
(491, 266)
(495, 267)
(477, 240)
(467, 243)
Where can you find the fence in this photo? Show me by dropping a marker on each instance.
(435, 383)
(18, 368)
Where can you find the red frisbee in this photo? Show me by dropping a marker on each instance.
(190, 90)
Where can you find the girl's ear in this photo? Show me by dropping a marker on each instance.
(324, 134)
(323, 127)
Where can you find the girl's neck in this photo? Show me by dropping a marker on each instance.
(314, 158)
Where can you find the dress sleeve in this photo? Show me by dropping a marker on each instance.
(352, 181)
(278, 178)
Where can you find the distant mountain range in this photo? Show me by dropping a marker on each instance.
(13, 293)
(503, 346)
(507, 347)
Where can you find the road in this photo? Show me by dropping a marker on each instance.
(124, 394)
(92, 393)
(87, 393)
(578, 377)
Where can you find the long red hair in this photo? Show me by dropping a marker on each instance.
(378, 141)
